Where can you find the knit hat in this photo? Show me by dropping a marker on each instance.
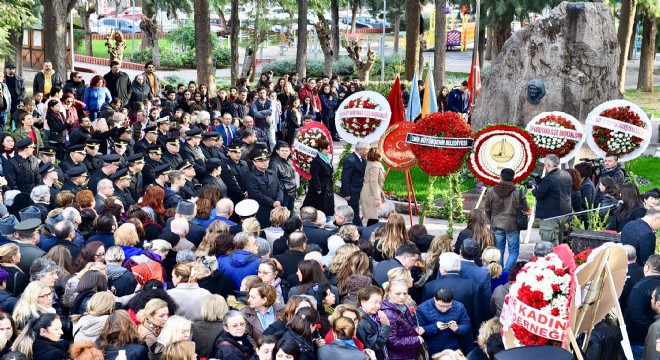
(185, 208)
(7, 225)
(30, 212)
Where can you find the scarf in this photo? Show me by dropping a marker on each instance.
(325, 158)
(349, 342)
(276, 284)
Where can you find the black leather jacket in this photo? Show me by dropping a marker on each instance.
(285, 174)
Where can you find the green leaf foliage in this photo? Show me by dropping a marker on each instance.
(14, 15)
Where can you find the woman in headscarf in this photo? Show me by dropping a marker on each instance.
(141, 91)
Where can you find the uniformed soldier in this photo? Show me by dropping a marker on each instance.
(150, 138)
(264, 187)
(92, 160)
(171, 154)
(190, 150)
(164, 133)
(126, 134)
(234, 171)
(120, 148)
(47, 155)
(191, 188)
(151, 162)
(49, 178)
(161, 175)
(135, 166)
(22, 170)
(110, 166)
(75, 158)
(122, 180)
(210, 147)
(77, 176)
(214, 169)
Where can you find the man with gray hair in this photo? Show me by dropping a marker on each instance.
(384, 211)
(352, 178)
(224, 209)
(543, 248)
(243, 261)
(40, 196)
(64, 231)
(315, 234)
(186, 209)
(104, 189)
(553, 200)
(635, 274)
(72, 214)
(465, 291)
(180, 228)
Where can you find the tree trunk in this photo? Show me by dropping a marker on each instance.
(204, 61)
(334, 8)
(148, 12)
(489, 44)
(397, 29)
(413, 9)
(324, 34)
(631, 50)
(482, 46)
(235, 29)
(55, 26)
(645, 79)
(247, 62)
(626, 22)
(85, 9)
(440, 45)
(354, 11)
(363, 67)
(301, 51)
(256, 40)
(16, 41)
(422, 47)
(149, 28)
(501, 32)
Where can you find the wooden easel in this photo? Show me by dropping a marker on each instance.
(412, 198)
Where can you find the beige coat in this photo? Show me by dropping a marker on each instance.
(372, 189)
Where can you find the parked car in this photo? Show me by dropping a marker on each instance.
(373, 22)
(102, 26)
(358, 24)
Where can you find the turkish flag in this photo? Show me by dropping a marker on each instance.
(396, 102)
(474, 84)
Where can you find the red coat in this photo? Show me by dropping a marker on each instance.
(315, 98)
(329, 337)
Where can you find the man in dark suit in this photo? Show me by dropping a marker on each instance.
(315, 234)
(352, 178)
(470, 250)
(407, 255)
(465, 291)
(634, 275)
(296, 253)
(384, 211)
(226, 129)
(264, 187)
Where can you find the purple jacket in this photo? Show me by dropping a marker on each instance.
(403, 343)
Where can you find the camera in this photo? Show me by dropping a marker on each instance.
(535, 179)
(595, 165)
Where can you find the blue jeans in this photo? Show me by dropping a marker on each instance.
(270, 132)
(513, 240)
(638, 351)
(3, 120)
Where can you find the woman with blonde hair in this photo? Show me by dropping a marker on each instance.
(404, 341)
(10, 257)
(181, 350)
(439, 244)
(277, 216)
(251, 225)
(119, 333)
(88, 326)
(152, 319)
(186, 292)
(343, 346)
(349, 312)
(347, 234)
(338, 261)
(126, 236)
(372, 194)
(208, 243)
(491, 262)
(37, 299)
(204, 331)
(395, 235)
(356, 263)
(400, 274)
(176, 329)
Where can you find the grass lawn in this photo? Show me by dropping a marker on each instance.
(396, 181)
(647, 167)
(647, 101)
(99, 49)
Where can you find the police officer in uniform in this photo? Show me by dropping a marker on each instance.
(171, 154)
(22, 170)
(163, 125)
(191, 151)
(75, 158)
(161, 175)
(47, 155)
(192, 186)
(214, 169)
(49, 178)
(264, 187)
(120, 148)
(150, 138)
(122, 180)
(151, 162)
(135, 167)
(92, 160)
(209, 146)
(234, 171)
(77, 176)
(110, 166)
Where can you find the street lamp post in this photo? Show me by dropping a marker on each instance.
(382, 45)
(475, 55)
(133, 35)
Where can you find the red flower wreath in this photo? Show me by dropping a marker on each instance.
(582, 257)
(360, 127)
(441, 161)
(554, 145)
(616, 142)
(309, 135)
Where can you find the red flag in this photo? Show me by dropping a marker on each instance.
(396, 103)
(474, 90)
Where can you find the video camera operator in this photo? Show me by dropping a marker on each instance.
(553, 198)
(612, 168)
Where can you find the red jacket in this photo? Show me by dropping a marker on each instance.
(315, 98)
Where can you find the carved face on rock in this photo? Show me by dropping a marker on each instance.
(535, 91)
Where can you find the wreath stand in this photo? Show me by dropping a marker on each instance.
(602, 294)
(412, 198)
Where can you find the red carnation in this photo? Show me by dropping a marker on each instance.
(554, 312)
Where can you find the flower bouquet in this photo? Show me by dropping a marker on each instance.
(556, 133)
(305, 146)
(618, 127)
(536, 311)
(441, 161)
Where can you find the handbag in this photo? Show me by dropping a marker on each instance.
(423, 352)
(522, 219)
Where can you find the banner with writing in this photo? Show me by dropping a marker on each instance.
(439, 142)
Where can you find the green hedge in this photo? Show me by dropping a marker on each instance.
(342, 67)
(181, 59)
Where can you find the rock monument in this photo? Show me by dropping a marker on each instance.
(573, 52)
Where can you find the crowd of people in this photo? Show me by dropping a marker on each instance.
(142, 221)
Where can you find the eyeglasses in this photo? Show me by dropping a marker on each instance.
(46, 295)
(445, 307)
